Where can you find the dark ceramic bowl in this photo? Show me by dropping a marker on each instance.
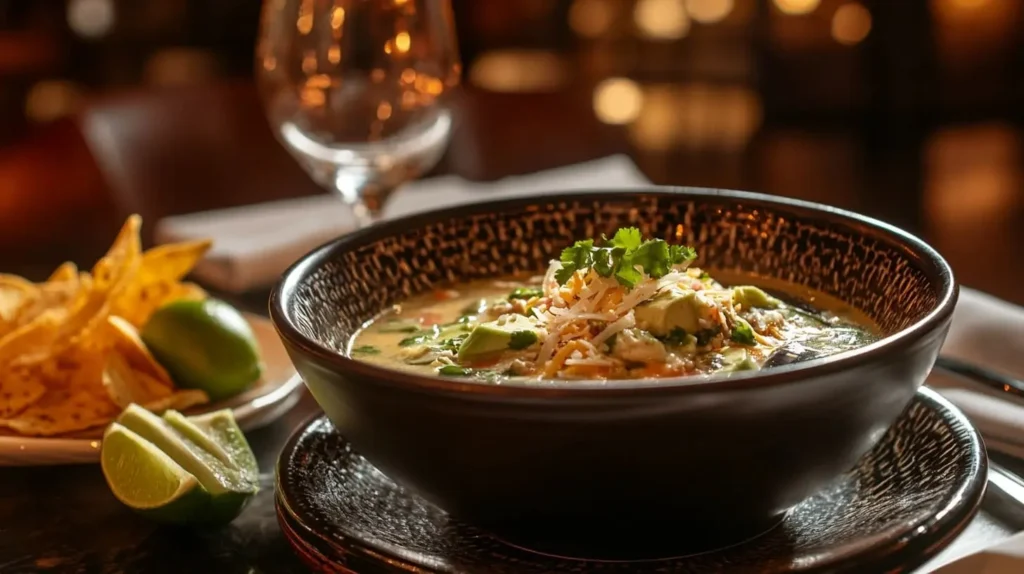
(720, 458)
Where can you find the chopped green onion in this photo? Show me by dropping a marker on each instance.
(415, 340)
(366, 350)
(525, 293)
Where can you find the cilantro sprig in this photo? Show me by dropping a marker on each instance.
(626, 256)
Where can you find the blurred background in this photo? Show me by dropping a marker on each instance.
(908, 110)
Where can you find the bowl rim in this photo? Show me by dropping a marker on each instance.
(915, 248)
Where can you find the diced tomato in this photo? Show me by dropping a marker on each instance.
(430, 319)
(445, 294)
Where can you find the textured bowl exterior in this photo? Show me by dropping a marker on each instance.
(731, 452)
(900, 505)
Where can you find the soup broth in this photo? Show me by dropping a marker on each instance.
(603, 321)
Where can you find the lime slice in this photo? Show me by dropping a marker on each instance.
(149, 481)
(229, 488)
(204, 345)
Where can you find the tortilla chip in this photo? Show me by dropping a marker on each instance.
(178, 401)
(62, 411)
(32, 342)
(126, 341)
(171, 262)
(68, 271)
(18, 390)
(125, 386)
(13, 300)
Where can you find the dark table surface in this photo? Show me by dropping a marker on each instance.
(959, 185)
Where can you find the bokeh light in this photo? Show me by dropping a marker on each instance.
(91, 18)
(591, 18)
(618, 101)
(519, 71)
(49, 100)
(709, 11)
(797, 7)
(661, 19)
(851, 24)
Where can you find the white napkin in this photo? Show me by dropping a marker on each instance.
(1006, 557)
(253, 245)
(988, 332)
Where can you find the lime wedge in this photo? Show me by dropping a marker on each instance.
(229, 488)
(149, 481)
(221, 432)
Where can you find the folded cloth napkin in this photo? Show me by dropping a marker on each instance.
(254, 244)
(988, 332)
(1005, 557)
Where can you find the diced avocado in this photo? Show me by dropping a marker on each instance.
(750, 296)
(638, 346)
(494, 337)
(677, 309)
(735, 359)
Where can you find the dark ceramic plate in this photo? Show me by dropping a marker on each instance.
(904, 501)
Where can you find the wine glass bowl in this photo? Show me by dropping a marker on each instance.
(358, 91)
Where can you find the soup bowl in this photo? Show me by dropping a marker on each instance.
(704, 460)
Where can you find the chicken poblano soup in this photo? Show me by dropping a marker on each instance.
(628, 308)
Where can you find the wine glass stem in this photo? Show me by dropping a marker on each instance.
(352, 193)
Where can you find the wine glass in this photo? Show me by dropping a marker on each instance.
(359, 91)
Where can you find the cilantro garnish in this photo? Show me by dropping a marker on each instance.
(366, 350)
(626, 256)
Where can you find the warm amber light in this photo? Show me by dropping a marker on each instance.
(402, 42)
(797, 7)
(305, 20)
(519, 71)
(269, 63)
(696, 116)
(318, 81)
(337, 17)
(309, 62)
(709, 11)
(851, 24)
(312, 97)
(334, 54)
(52, 99)
(661, 19)
(969, 4)
(383, 111)
(618, 101)
(429, 85)
(591, 18)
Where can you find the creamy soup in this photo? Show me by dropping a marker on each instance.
(628, 309)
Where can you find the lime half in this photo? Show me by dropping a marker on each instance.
(147, 480)
(219, 462)
(204, 345)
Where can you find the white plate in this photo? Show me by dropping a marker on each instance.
(269, 398)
